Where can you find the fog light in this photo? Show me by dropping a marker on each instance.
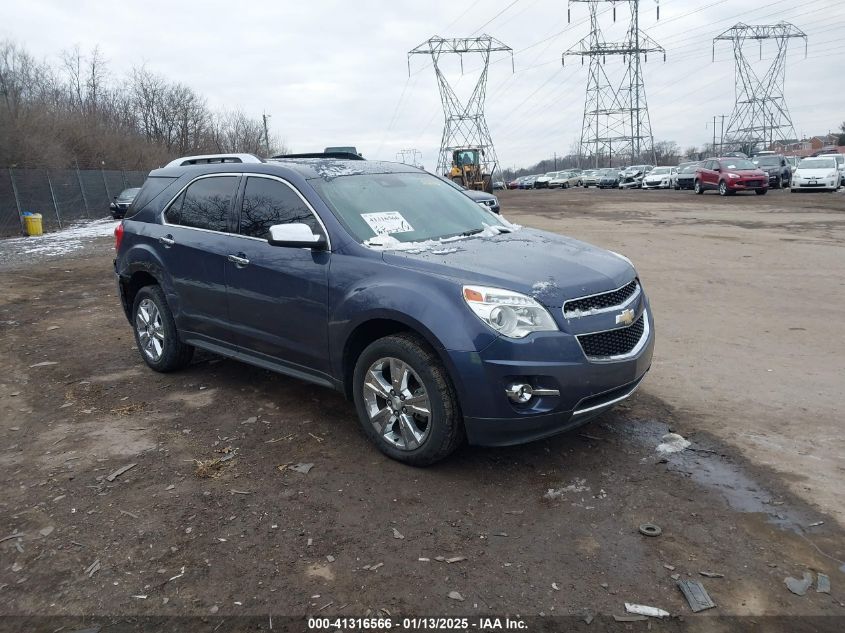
(520, 392)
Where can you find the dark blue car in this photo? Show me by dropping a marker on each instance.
(439, 319)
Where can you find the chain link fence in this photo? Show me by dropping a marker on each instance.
(61, 196)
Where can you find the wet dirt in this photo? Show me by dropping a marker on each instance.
(253, 539)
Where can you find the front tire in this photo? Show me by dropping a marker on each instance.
(405, 401)
(723, 189)
(156, 334)
(698, 188)
(760, 192)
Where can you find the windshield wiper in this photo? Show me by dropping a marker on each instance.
(472, 232)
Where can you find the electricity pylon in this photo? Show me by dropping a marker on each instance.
(464, 123)
(760, 116)
(409, 157)
(616, 120)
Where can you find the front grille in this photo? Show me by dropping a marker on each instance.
(613, 342)
(601, 301)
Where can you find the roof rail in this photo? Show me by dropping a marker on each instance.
(205, 159)
(339, 155)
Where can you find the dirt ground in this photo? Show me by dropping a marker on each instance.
(748, 296)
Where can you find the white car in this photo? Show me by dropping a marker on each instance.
(543, 181)
(819, 172)
(660, 178)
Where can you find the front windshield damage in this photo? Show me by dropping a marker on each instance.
(407, 211)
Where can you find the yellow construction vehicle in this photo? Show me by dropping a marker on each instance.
(468, 169)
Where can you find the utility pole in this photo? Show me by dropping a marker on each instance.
(615, 113)
(722, 136)
(555, 161)
(713, 147)
(464, 124)
(266, 133)
(760, 115)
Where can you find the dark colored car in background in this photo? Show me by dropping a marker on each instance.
(486, 200)
(121, 202)
(776, 167)
(440, 320)
(729, 175)
(608, 178)
(685, 178)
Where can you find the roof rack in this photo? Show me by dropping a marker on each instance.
(339, 155)
(206, 159)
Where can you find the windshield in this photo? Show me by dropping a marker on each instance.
(409, 207)
(661, 170)
(129, 193)
(689, 168)
(738, 163)
(817, 163)
(767, 161)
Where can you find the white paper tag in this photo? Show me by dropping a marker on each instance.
(387, 222)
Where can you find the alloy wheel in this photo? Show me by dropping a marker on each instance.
(723, 188)
(150, 329)
(397, 403)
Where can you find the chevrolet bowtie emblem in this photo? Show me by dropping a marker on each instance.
(625, 317)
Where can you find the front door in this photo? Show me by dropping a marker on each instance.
(278, 296)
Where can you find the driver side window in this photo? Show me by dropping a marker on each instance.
(268, 202)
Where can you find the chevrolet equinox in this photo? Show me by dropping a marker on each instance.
(440, 320)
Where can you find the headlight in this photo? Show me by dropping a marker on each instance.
(733, 175)
(510, 313)
(832, 174)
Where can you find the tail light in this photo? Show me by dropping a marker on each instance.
(118, 236)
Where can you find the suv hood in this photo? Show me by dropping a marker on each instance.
(549, 267)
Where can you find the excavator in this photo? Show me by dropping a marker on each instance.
(468, 170)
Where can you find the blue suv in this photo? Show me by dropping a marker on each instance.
(442, 321)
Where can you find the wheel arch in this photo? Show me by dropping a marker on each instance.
(379, 326)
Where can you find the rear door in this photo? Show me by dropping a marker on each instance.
(709, 177)
(278, 296)
(194, 245)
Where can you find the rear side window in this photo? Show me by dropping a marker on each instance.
(149, 191)
(204, 204)
(268, 202)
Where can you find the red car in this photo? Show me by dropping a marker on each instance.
(513, 184)
(729, 175)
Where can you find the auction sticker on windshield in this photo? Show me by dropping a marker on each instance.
(387, 222)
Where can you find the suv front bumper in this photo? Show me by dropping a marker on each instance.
(549, 361)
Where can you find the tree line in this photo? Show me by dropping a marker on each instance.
(76, 112)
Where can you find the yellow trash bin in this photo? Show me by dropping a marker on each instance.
(32, 223)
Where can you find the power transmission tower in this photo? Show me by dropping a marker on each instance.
(409, 157)
(616, 120)
(760, 116)
(464, 123)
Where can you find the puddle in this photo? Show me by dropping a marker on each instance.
(707, 468)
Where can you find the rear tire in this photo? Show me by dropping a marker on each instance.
(155, 332)
(442, 430)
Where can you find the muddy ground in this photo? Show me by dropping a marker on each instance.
(748, 295)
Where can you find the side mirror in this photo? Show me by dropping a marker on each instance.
(295, 235)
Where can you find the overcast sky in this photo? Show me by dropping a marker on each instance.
(336, 73)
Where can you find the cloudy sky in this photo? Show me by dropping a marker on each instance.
(333, 72)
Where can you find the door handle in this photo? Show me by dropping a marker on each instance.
(167, 240)
(238, 260)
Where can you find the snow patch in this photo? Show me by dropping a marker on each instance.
(61, 242)
(672, 443)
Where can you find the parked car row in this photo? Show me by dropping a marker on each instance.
(727, 174)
